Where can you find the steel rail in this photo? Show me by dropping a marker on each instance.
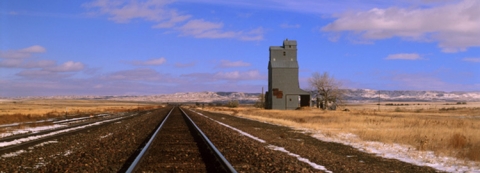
(218, 156)
(139, 157)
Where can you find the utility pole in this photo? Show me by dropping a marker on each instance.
(378, 92)
(263, 97)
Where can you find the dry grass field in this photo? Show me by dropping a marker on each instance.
(447, 129)
(29, 110)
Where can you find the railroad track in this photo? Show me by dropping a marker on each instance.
(13, 143)
(178, 145)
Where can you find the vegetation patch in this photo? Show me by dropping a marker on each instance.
(427, 127)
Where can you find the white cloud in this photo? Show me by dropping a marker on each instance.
(244, 15)
(404, 56)
(142, 74)
(321, 7)
(44, 74)
(31, 68)
(426, 81)
(157, 61)
(45, 65)
(238, 75)
(34, 49)
(13, 13)
(232, 76)
(183, 65)
(48, 69)
(203, 29)
(200, 28)
(173, 21)
(123, 11)
(227, 64)
(22, 53)
(477, 60)
(286, 25)
(454, 26)
(21, 63)
(38, 64)
(68, 66)
(11, 63)
(301, 6)
(154, 61)
(228, 75)
(252, 35)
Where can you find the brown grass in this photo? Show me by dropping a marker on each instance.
(426, 126)
(458, 141)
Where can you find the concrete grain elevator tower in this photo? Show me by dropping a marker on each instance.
(283, 87)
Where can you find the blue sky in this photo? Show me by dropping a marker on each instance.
(124, 47)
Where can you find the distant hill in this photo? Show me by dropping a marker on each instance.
(384, 95)
(352, 95)
(203, 97)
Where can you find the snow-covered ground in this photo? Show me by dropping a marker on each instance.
(30, 130)
(17, 141)
(57, 124)
(400, 152)
(30, 122)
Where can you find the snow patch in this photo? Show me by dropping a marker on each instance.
(42, 144)
(305, 160)
(13, 154)
(21, 140)
(70, 120)
(30, 130)
(405, 153)
(68, 152)
(233, 128)
(107, 135)
(9, 125)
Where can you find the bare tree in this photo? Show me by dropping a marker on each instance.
(260, 102)
(326, 89)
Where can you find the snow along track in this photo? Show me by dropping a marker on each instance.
(270, 146)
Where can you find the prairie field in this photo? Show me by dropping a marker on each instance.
(12, 111)
(447, 129)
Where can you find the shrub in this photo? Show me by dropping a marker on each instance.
(474, 153)
(458, 141)
(448, 109)
(300, 120)
(418, 110)
(232, 103)
(259, 104)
